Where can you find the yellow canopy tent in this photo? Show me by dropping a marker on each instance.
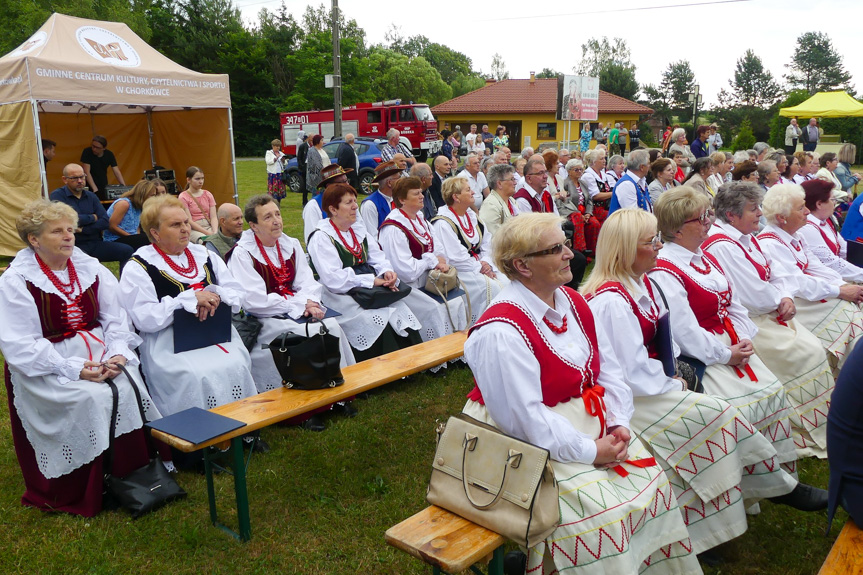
(76, 78)
(826, 105)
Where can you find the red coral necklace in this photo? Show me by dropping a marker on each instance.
(190, 271)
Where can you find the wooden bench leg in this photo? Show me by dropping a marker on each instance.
(238, 468)
(495, 566)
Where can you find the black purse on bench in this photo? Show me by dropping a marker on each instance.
(310, 361)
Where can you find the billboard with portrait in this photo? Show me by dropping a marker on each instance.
(577, 98)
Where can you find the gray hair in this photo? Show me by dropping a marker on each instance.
(486, 162)
(573, 163)
(778, 201)
(764, 169)
(421, 170)
(528, 150)
(677, 133)
(615, 160)
(760, 147)
(392, 133)
(563, 151)
(741, 156)
(498, 173)
(732, 197)
(500, 156)
(637, 159)
(591, 156)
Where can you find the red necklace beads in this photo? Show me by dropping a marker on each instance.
(357, 249)
(705, 271)
(191, 269)
(284, 279)
(466, 229)
(423, 232)
(67, 289)
(554, 328)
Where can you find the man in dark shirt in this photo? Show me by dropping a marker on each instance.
(92, 219)
(346, 157)
(96, 160)
(302, 152)
(49, 149)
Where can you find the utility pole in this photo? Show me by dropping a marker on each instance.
(337, 74)
(695, 98)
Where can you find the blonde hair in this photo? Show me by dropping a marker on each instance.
(777, 201)
(517, 237)
(676, 206)
(451, 187)
(37, 214)
(152, 213)
(139, 192)
(617, 247)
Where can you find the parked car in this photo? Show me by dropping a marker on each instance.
(368, 151)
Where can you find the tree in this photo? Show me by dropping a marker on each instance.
(548, 73)
(816, 66)
(745, 138)
(656, 99)
(498, 68)
(752, 85)
(394, 75)
(596, 54)
(678, 81)
(619, 79)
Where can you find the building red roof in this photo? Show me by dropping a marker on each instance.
(522, 96)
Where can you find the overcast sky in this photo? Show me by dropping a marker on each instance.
(711, 34)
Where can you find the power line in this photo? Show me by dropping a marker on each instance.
(615, 10)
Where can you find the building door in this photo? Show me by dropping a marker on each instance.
(513, 128)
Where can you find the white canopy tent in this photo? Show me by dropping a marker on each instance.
(76, 78)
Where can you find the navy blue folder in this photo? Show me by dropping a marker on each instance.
(664, 346)
(191, 333)
(305, 319)
(450, 295)
(855, 253)
(196, 425)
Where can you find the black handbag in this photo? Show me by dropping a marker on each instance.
(378, 296)
(310, 361)
(248, 327)
(145, 489)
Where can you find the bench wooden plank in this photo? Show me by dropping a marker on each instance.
(276, 405)
(846, 555)
(443, 539)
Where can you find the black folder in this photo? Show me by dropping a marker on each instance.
(664, 346)
(450, 295)
(191, 333)
(855, 253)
(305, 319)
(196, 425)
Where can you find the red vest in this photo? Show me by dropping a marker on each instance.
(802, 265)
(559, 379)
(646, 321)
(762, 269)
(54, 317)
(535, 205)
(832, 243)
(270, 280)
(417, 247)
(710, 307)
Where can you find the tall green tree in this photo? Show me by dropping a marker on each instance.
(548, 73)
(610, 62)
(752, 85)
(678, 81)
(619, 79)
(816, 66)
(498, 68)
(394, 75)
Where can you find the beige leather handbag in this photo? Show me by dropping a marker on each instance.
(494, 480)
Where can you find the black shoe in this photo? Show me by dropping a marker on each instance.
(514, 563)
(314, 423)
(804, 498)
(260, 446)
(711, 558)
(345, 408)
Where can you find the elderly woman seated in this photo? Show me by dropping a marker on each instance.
(627, 307)
(541, 377)
(347, 263)
(63, 333)
(711, 326)
(820, 231)
(465, 243)
(171, 277)
(825, 304)
(499, 205)
(789, 350)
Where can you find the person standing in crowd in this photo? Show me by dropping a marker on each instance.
(347, 158)
(475, 179)
(470, 140)
(811, 135)
(666, 138)
(680, 144)
(96, 160)
(613, 140)
(584, 140)
(792, 134)
(714, 139)
(501, 139)
(622, 136)
(200, 204)
(487, 138)
(49, 150)
(316, 159)
(599, 134)
(275, 160)
(230, 228)
(92, 218)
(302, 154)
(395, 146)
(699, 144)
(634, 137)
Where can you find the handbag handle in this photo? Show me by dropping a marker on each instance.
(108, 460)
(513, 459)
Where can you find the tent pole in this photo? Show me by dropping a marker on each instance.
(149, 110)
(233, 156)
(38, 129)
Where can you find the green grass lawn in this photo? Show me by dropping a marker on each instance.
(320, 503)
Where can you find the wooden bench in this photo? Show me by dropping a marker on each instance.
(846, 555)
(447, 542)
(276, 405)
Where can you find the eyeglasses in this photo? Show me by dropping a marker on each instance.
(655, 242)
(552, 251)
(543, 173)
(705, 218)
(75, 177)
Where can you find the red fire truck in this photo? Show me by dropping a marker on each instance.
(414, 121)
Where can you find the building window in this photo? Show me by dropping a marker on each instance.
(546, 131)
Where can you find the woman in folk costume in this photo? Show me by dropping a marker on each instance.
(711, 326)
(63, 333)
(825, 304)
(344, 258)
(820, 231)
(702, 442)
(407, 240)
(466, 245)
(541, 376)
(172, 275)
(787, 348)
